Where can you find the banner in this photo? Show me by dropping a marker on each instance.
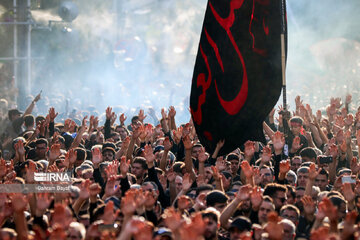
(237, 76)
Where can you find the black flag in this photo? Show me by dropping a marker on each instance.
(237, 77)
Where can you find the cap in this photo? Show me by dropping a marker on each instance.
(13, 112)
(108, 149)
(241, 223)
(158, 148)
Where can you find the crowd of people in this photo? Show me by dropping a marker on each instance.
(147, 181)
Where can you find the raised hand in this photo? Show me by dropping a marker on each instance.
(19, 148)
(216, 175)
(109, 113)
(171, 175)
(333, 150)
(70, 158)
(298, 101)
(249, 149)
(349, 120)
(124, 166)
(111, 188)
(354, 165)
(278, 140)
(43, 201)
(220, 164)
(61, 216)
(172, 112)
(266, 154)
(30, 170)
(94, 190)
(244, 192)
(149, 154)
(247, 169)
(109, 215)
(203, 156)
(173, 219)
(84, 189)
(54, 152)
(167, 144)
(274, 228)
(3, 168)
(52, 114)
(188, 143)
(296, 145)
(309, 205)
(348, 192)
(284, 167)
(318, 115)
(96, 156)
(187, 182)
(128, 203)
(256, 197)
(348, 99)
(141, 115)
(112, 169)
(193, 229)
(329, 209)
(19, 202)
(177, 134)
(313, 173)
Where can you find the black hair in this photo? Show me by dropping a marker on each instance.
(308, 152)
(42, 141)
(141, 161)
(271, 189)
(29, 120)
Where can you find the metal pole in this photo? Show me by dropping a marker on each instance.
(15, 44)
(283, 53)
(29, 46)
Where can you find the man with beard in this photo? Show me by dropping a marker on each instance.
(234, 160)
(212, 225)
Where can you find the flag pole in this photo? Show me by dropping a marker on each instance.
(283, 54)
(285, 111)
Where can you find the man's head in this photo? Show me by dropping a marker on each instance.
(211, 218)
(322, 179)
(139, 167)
(302, 176)
(239, 227)
(290, 212)
(29, 121)
(196, 149)
(266, 175)
(208, 173)
(308, 154)
(291, 177)
(296, 125)
(108, 154)
(178, 183)
(123, 132)
(41, 148)
(339, 202)
(80, 156)
(278, 194)
(216, 199)
(289, 229)
(150, 187)
(14, 114)
(227, 180)
(266, 207)
(295, 163)
(234, 160)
